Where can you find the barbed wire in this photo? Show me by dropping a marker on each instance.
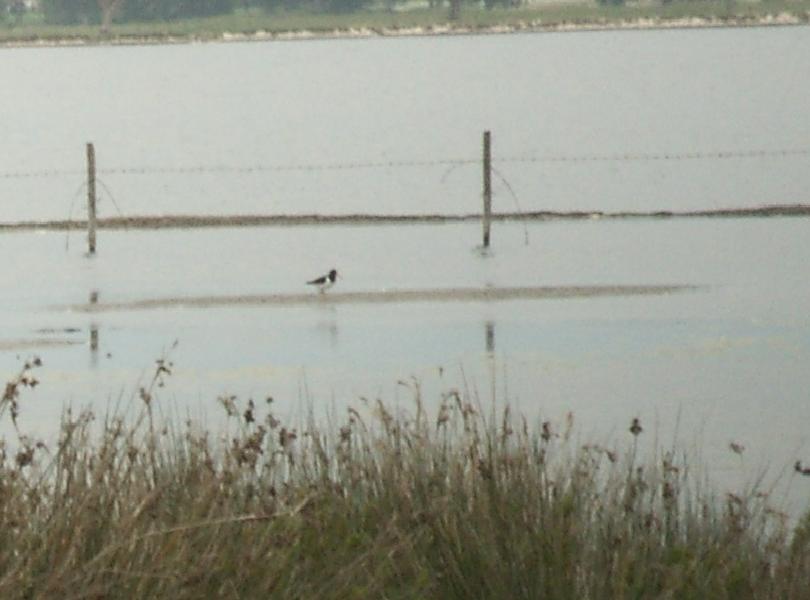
(392, 164)
(292, 167)
(36, 174)
(682, 156)
(717, 155)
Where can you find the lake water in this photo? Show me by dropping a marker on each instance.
(176, 129)
(344, 102)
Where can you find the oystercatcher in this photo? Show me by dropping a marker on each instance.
(325, 282)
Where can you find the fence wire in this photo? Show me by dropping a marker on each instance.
(395, 164)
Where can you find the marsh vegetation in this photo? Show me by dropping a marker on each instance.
(466, 501)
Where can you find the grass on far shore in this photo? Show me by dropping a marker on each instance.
(452, 504)
(31, 29)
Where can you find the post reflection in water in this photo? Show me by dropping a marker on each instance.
(94, 333)
(490, 337)
(328, 325)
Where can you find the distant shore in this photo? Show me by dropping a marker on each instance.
(538, 26)
(382, 24)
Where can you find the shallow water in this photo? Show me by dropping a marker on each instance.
(725, 359)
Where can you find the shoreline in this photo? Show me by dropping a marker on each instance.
(387, 296)
(180, 221)
(783, 19)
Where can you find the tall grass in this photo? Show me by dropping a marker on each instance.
(407, 504)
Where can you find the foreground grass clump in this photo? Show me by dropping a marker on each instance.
(405, 505)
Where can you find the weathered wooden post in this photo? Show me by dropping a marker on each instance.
(487, 217)
(91, 199)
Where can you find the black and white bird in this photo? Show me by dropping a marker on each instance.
(324, 282)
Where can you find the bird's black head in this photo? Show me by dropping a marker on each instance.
(332, 275)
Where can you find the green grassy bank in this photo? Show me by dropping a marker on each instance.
(261, 25)
(456, 503)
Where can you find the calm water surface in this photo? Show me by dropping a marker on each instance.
(725, 361)
(340, 102)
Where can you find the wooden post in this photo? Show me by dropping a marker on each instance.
(91, 199)
(487, 217)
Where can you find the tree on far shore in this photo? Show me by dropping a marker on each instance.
(108, 9)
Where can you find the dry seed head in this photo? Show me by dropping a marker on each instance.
(285, 437)
(11, 391)
(145, 396)
(569, 425)
(736, 448)
(443, 416)
(229, 404)
(248, 414)
(25, 457)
